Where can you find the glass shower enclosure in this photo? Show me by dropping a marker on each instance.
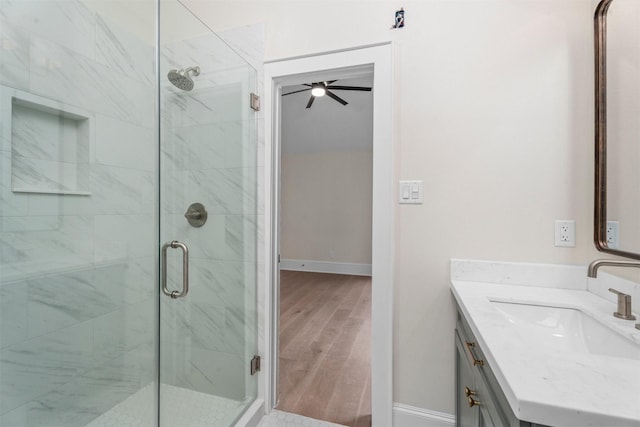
(127, 217)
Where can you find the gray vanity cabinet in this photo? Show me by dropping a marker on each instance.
(472, 397)
(480, 401)
(466, 416)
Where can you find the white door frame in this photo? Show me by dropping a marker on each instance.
(351, 62)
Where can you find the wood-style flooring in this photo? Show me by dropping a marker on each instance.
(325, 347)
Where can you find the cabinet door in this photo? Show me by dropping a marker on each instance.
(466, 416)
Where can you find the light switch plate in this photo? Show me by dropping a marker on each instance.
(410, 192)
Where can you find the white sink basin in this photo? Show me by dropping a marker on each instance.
(565, 329)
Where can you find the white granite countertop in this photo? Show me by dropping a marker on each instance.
(543, 384)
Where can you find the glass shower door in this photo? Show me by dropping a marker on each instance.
(207, 225)
(78, 214)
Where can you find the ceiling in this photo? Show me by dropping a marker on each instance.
(328, 125)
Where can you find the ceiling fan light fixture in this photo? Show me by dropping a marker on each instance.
(322, 88)
(318, 90)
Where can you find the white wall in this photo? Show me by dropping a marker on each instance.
(326, 206)
(493, 110)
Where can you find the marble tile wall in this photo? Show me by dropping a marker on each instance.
(78, 273)
(248, 42)
(209, 155)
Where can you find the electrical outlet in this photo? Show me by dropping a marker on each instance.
(612, 234)
(566, 233)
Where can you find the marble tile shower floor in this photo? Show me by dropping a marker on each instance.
(184, 408)
(191, 409)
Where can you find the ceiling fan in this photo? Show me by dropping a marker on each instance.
(322, 88)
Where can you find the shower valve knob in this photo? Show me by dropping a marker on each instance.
(196, 215)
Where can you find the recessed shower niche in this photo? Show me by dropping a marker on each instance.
(50, 144)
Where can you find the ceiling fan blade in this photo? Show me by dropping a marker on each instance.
(364, 89)
(328, 82)
(337, 98)
(296, 91)
(311, 101)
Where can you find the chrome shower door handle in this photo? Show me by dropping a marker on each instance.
(185, 269)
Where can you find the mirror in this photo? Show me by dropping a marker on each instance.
(617, 130)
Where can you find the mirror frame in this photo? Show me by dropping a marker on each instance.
(600, 196)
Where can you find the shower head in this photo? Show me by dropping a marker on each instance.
(181, 78)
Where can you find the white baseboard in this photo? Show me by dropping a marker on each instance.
(326, 267)
(410, 416)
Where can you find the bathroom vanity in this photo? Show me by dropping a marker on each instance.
(480, 401)
(538, 345)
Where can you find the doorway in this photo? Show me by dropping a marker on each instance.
(349, 63)
(325, 247)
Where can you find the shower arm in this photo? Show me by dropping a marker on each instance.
(195, 70)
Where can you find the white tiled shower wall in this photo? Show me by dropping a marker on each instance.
(78, 279)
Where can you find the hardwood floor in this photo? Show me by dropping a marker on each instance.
(325, 347)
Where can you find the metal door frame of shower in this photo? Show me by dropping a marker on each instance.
(348, 62)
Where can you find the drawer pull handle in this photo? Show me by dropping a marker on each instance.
(476, 362)
(468, 392)
(472, 402)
